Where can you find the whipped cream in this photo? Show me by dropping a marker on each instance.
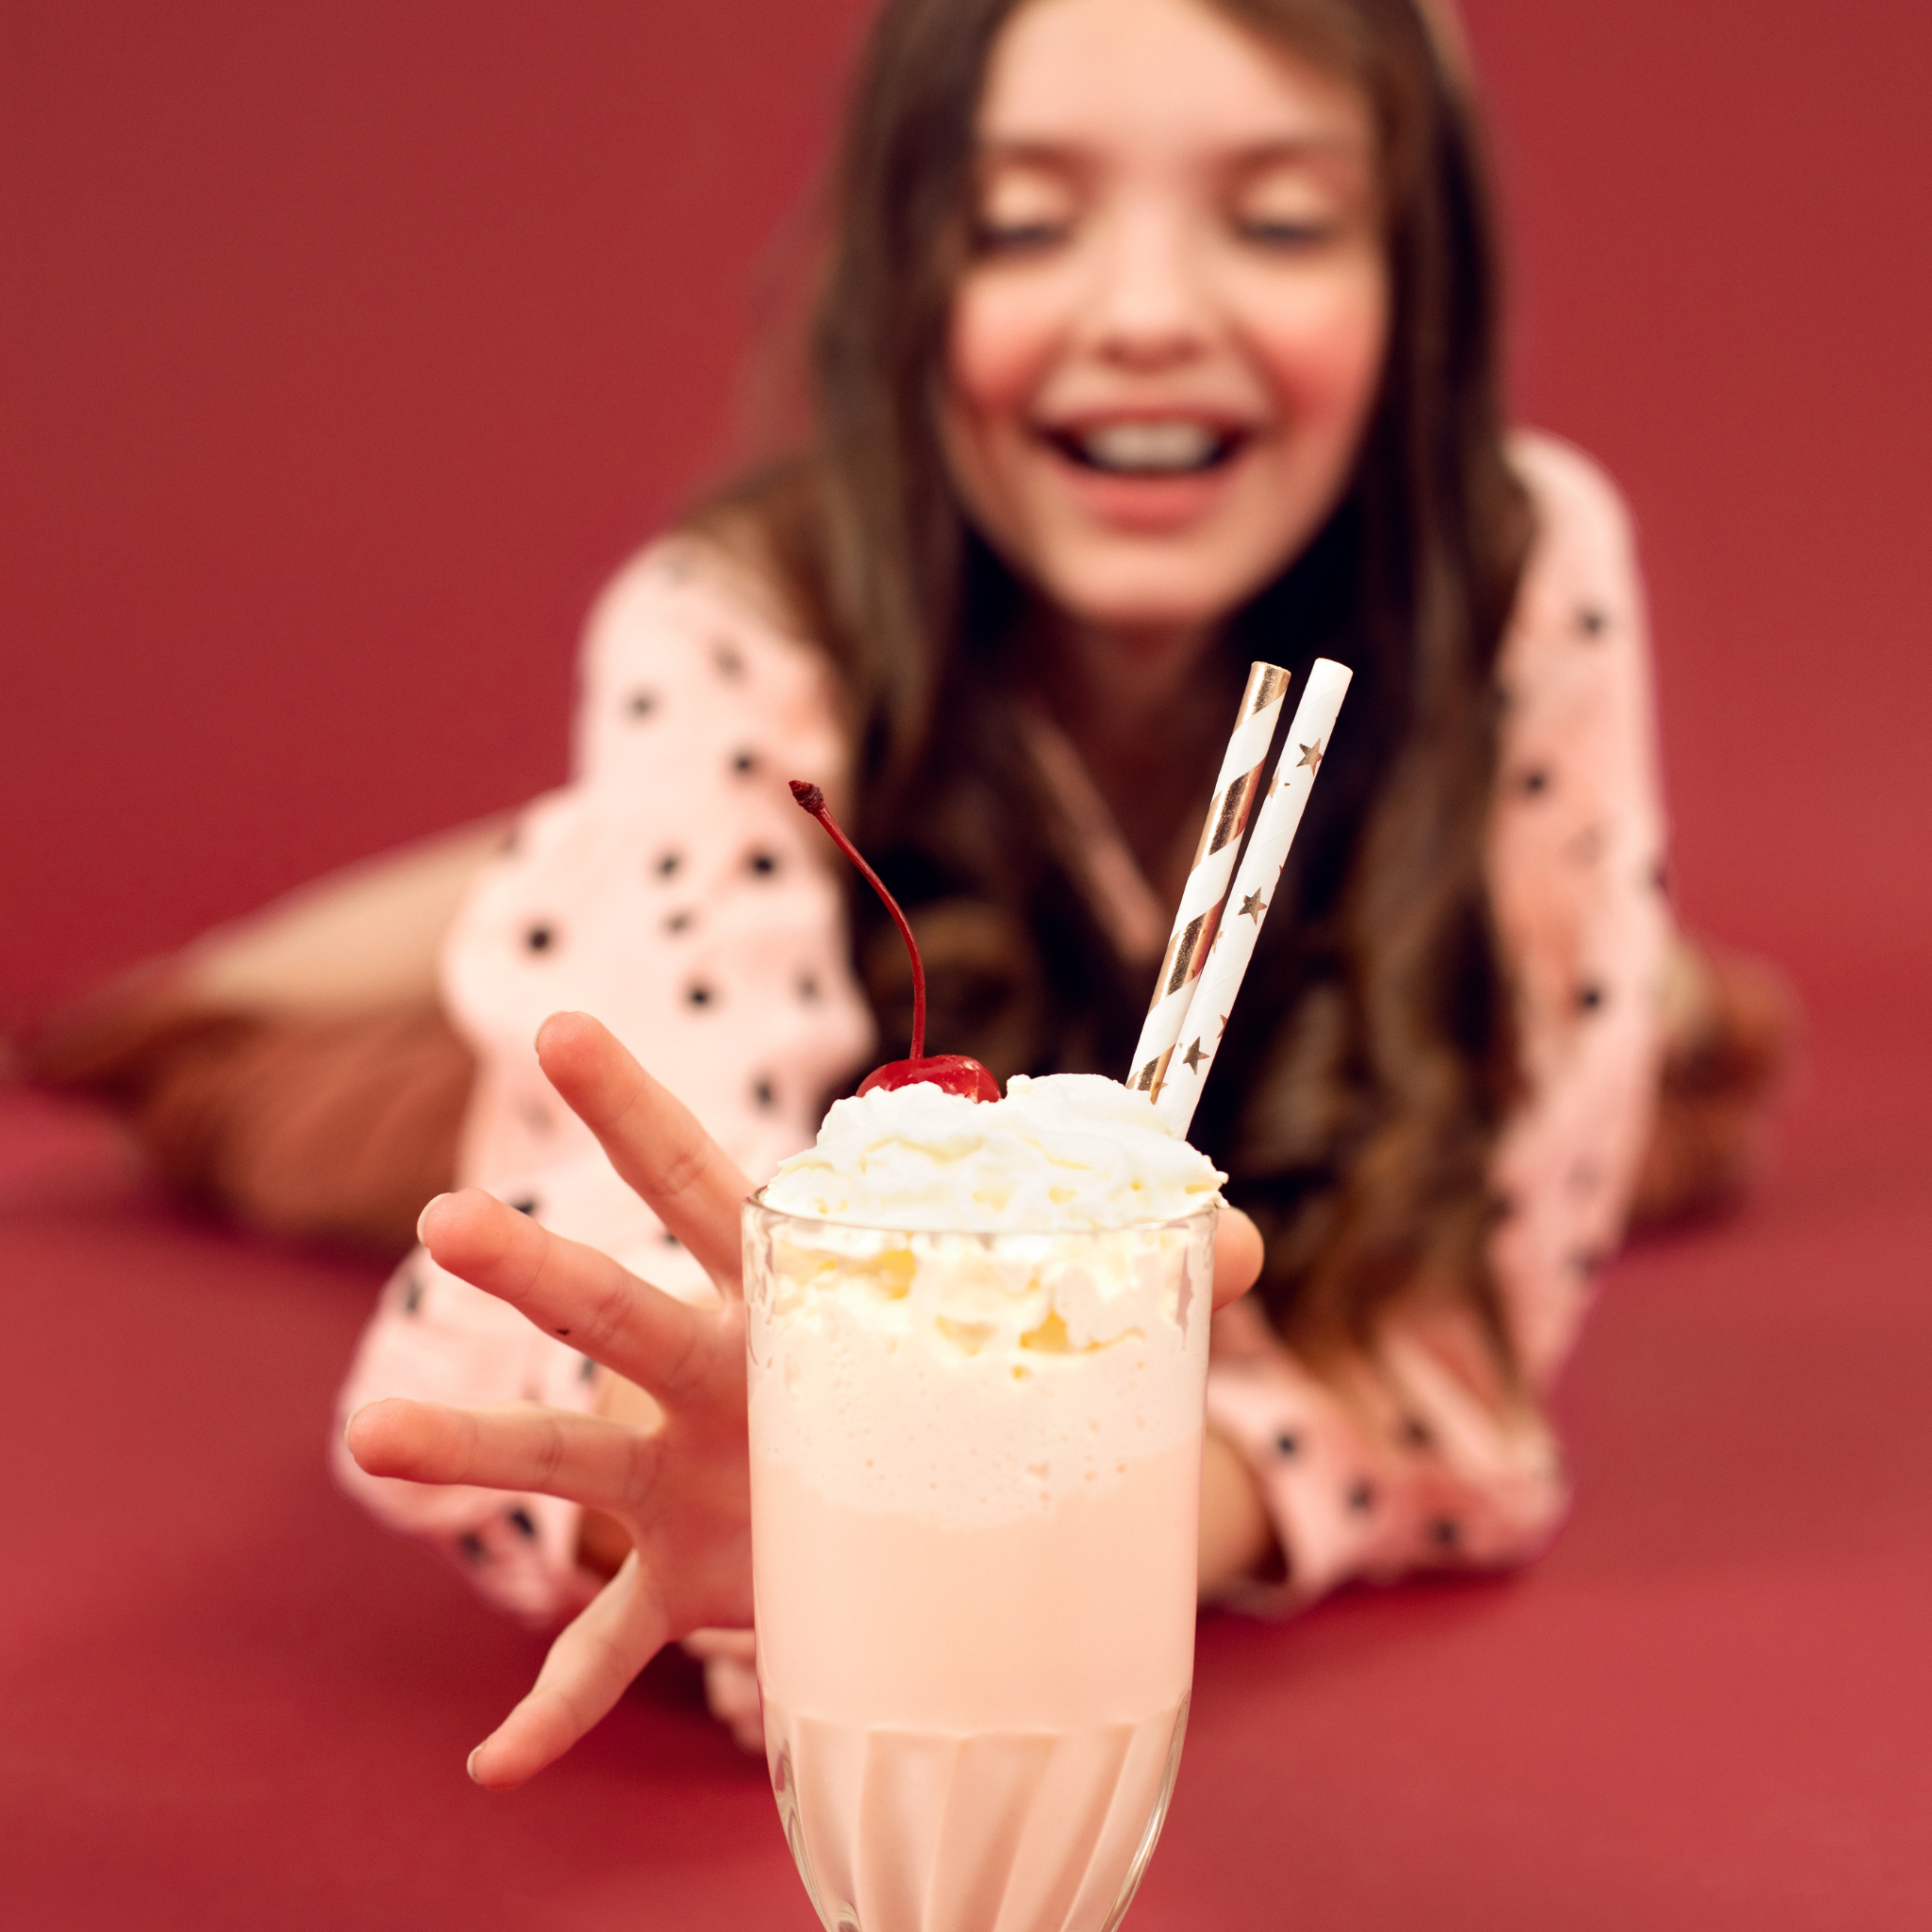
(1069, 1151)
(970, 1378)
(971, 1312)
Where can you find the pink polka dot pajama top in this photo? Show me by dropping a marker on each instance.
(674, 890)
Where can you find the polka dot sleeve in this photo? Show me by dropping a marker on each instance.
(1413, 1458)
(674, 890)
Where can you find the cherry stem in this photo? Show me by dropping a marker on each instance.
(812, 799)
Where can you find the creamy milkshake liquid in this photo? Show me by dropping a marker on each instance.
(975, 1419)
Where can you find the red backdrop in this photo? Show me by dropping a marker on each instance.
(348, 346)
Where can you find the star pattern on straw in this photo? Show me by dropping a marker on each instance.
(1194, 1058)
(1253, 905)
(1311, 756)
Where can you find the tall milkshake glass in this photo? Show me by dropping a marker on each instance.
(976, 1486)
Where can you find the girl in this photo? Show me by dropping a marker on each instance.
(1155, 336)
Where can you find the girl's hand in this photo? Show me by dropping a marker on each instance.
(681, 1488)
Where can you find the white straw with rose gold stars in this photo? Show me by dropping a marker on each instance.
(1205, 891)
(1253, 887)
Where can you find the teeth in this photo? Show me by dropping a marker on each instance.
(1149, 447)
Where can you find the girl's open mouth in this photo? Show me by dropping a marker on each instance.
(1170, 447)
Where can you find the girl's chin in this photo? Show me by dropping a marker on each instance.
(1119, 585)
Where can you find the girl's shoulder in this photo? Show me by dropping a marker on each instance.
(693, 633)
(1576, 502)
(1580, 579)
(689, 582)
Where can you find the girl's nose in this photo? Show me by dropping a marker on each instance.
(1149, 307)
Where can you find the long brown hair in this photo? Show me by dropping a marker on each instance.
(1356, 1098)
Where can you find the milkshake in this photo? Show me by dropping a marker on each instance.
(979, 1336)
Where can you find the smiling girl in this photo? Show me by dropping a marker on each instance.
(1155, 336)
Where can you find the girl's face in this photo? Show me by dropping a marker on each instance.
(1170, 331)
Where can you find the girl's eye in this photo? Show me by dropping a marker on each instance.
(1285, 234)
(1018, 237)
(1020, 208)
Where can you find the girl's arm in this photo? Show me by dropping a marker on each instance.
(294, 1066)
(365, 937)
(1235, 1535)
(673, 889)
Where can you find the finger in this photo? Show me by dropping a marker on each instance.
(549, 1451)
(579, 1294)
(1237, 1255)
(731, 1691)
(582, 1678)
(709, 1641)
(653, 1140)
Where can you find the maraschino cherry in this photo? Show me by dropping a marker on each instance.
(955, 1071)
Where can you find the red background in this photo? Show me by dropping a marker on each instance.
(347, 348)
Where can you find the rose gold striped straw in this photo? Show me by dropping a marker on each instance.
(1205, 891)
(1233, 946)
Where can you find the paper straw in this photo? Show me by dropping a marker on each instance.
(1205, 891)
(1253, 887)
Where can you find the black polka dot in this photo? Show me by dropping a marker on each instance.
(525, 1203)
(764, 1093)
(1288, 1444)
(472, 1546)
(1591, 997)
(725, 658)
(807, 987)
(1445, 1533)
(668, 863)
(521, 1522)
(560, 1331)
(744, 763)
(1415, 1432)
(763, 863)
(679, 921)
(1534, 782)
(412, 1293)
(586, 1369)
(1591, 621)
(668, 1239)
(698, 994)
(640, 704)
(1361, 1497)
(540, 939)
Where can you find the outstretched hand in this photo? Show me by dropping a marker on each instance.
(681, 1488)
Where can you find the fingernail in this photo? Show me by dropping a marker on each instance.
(470, 1764)
(424, 1215)
(562, 1013)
